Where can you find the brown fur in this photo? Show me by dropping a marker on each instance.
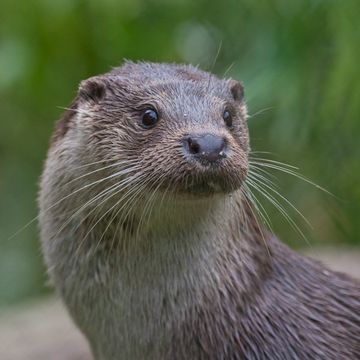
(171, 271)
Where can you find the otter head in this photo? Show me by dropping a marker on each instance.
(161, 129)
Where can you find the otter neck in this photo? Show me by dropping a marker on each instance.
(173, 264)
(184, 236)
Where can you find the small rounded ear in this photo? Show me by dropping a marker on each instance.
(237, 90)
(92, 89)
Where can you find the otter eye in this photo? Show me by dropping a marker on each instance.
(150, 118)
(227, 118)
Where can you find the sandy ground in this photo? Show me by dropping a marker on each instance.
(42, 330)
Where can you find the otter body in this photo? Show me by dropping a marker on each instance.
(151, 239)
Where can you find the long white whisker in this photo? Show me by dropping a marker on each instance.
(119, 173)
(275, 162)
(257, 222)
(255, 172)
(112, 219)
(261, 111)
(104, 192)
(114, 192)
(122, 163)
(149, 200)
(78, 111)
(261, 182)
(259, 169)
(160, 183)
(133, 199)
(259, 207)
(293, 173)
(278, 206)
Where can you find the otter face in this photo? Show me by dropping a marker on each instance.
(183, 129)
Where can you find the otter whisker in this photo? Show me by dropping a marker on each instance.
(228, 68)
(133, 199)
(84, 206)
(241, 207)
(160, 181)
(279, 207)
(103, 215)
(147, 208)
(123, 171)
(257, 179)
(78, 111)
(141, 189)
(104, 192)
(103, 161)
(212, 65)
(131, 196)
(120, 186)
(42, 211)
(291, 172)
(132, 181)
(111, 220)
(260, 111)
(259, 207)
(248, 203)
(246, 199)
(258, 174)
(216, 56)
(123, 218)
(119, 173)
(260, 152)
(267, 174)
(90, 164)
(279, 163)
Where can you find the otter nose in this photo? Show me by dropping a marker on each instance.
(206, 147)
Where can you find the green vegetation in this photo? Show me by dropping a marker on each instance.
(297, 59)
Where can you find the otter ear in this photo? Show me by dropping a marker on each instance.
(236, 89)
(92, 89)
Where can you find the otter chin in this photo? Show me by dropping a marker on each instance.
(151, 237)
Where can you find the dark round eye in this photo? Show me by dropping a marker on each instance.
(150, 118)
(227, 118)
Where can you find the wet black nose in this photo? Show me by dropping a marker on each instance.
(206, 147)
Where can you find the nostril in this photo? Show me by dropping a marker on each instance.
(194, 146)
(206, 147)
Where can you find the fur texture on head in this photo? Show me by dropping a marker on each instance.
(150, 237)
(109, 108)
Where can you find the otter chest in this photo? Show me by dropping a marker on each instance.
(128, 311)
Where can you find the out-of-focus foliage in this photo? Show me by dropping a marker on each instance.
(299, 61)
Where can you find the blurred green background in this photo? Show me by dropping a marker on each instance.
(299, 61)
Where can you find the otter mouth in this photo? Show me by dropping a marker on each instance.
(207, 188)
(203, 189)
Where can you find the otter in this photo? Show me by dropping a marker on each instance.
(152, 240)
